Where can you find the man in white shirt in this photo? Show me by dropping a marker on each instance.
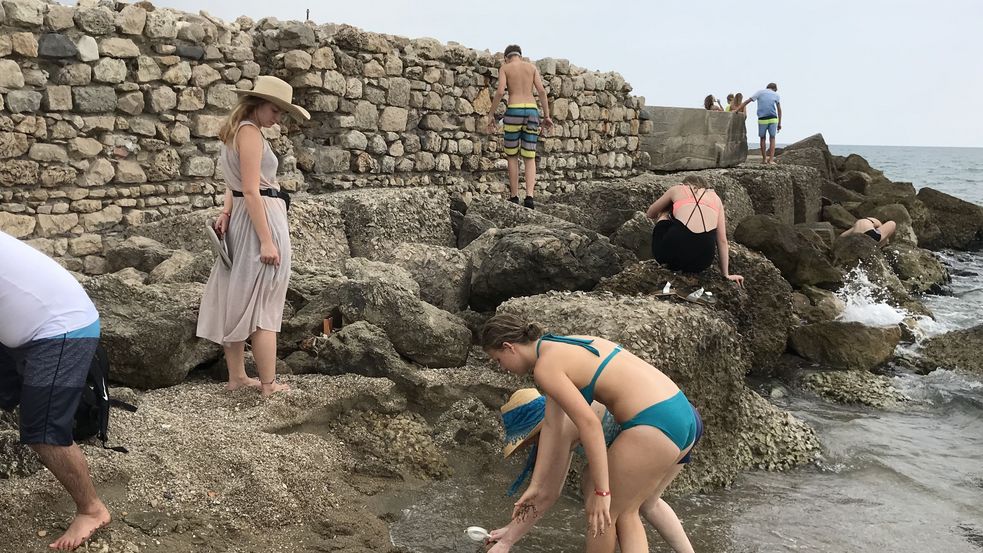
(49, 331)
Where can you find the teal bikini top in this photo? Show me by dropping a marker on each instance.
(586, 391)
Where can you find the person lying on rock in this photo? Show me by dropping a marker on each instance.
(679, 240)
(245, 300)
(658, 424)
(877, 231)
(49, 331)
(530, 420)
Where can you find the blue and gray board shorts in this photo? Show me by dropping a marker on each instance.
(46, 378)
(767, 126)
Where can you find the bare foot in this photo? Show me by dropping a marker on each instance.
(247, 382)
(82, 528)
(270, 389)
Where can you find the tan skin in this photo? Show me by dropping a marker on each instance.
(862, 225)
(70, 468)
(557, 439)
(640, 462)
(660, 211)
(767, 154)
(519, 78)
(250, 143)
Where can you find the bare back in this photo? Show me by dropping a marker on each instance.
(520, 79)
(627, 384)
(697, 208)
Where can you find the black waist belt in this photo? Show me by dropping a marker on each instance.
(268, 192)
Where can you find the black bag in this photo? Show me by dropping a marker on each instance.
(92, 416)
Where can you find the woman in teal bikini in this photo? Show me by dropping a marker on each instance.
(530, 422)
(658, 424)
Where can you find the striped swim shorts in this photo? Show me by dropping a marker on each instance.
(521, 130)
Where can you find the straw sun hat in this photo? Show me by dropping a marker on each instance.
(522, 418)
(280, 93)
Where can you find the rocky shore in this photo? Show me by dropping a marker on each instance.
(401, 236)
(399, 392)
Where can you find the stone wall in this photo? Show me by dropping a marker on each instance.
(109, 114)
(686, 139)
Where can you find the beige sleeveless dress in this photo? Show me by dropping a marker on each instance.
(250, 295)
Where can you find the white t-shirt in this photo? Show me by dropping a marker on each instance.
(38, 297)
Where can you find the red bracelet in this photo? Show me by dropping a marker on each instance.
(601, 493)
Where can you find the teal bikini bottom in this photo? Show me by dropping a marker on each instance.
(675, 417)
(611, 430)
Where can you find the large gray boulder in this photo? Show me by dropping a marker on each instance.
(686, 139)
(185, 231)
(959, 349)
(505, 214)
(567, 212)
(836, 193)
(149, 331)
(183, 266)
(704, 356)
(815, 158)
(609, 204)
(812, 141)
(856, 162)
(359, 268)
(472, 226)
(839, 216)
(771, 189)
(761, 311)
(636, 236)
(425, 334)
(807, 193)
(960, 222)
(919, 270)
(854, 180)
(531, 259)
(360, 348)
(443, 274)
(845, 345)
(138, 252)
(376, 220)
(798, 257)
(317, 232)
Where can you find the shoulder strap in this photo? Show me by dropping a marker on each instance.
(697, 207)
(582, 342)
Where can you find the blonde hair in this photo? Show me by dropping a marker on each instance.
(506, 327)
(246, 106)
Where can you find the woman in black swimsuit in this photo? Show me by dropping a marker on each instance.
(690, 227)
(877, 231)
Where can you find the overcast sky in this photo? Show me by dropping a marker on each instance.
(898, 72)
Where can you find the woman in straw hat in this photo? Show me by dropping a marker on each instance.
(658, 424)
(528, 421)
(245, 299)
